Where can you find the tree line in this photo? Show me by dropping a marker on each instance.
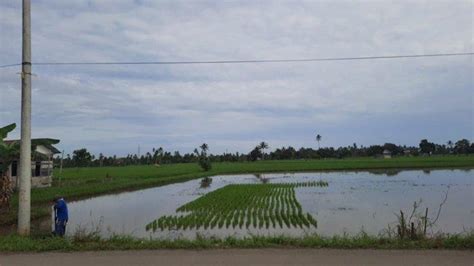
(158, 156)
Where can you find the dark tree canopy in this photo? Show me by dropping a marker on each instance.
(202, 156)
(427, 147)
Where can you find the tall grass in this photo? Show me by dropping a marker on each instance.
(15, 243)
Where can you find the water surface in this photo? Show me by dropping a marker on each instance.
(352, 202)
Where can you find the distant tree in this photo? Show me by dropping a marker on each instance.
(285, 153)
(393, 148)
(263, 146)
(204, 160)
(81, 157)
(374, 150)
(177, 157)
(101, 159)
(427, 147)
(318, 139)
(255, 154)
(450, 144)
(157, 155)
(462, 146)
(148, 158)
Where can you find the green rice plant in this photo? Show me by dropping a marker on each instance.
(284, 216)
(254, 217)
(272, 219)
(267, 220)
(207, 221)
(256, 205)
(179, 222)
(221, 222)
(235, 219)
(312, 220)
(248, 217)
(241, 218)
(228, 220)
(213, 221)
(279, 219)
(260, 218)
(198, 219)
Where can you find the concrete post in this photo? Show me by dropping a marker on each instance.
(24, 208)
(61, 165)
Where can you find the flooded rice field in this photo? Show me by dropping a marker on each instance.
(292, 204)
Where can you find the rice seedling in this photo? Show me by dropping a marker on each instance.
(257, 205)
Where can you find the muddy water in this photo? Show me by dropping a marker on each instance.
(352, 202)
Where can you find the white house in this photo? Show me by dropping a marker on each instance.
(387, 154)
(41, 164)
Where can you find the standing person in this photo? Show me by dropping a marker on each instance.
(60, 216)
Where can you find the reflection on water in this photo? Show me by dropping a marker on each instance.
(206, 182)
(387, 172)
(352, 202)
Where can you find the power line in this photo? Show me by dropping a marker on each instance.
(11, 65)
(240, 61)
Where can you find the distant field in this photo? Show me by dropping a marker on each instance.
(78, 183)
(148, 171)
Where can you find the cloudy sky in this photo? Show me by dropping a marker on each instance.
(113, 109)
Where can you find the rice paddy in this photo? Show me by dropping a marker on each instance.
(242, 206)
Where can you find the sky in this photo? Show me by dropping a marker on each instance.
(233, 107)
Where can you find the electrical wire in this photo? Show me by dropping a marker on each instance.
(241, 61)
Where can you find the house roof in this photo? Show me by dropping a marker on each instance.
(46, 142)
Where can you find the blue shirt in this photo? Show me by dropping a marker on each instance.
(60, 209)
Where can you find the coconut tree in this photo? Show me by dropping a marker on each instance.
(204, 160)
(204, 147)
(263, 146)
(318, 139)
(157, 155)
(450, 145)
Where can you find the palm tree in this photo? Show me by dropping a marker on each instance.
(262, 146)
(450, 144)
(204, 147)
(318, 139)
(157, 155)
(203, 159)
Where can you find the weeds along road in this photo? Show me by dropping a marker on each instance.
(244, 257)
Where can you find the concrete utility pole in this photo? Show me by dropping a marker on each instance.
(61, 164)
(24, 206)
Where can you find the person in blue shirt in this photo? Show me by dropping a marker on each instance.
(60, 216)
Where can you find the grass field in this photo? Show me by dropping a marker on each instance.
(79, 183)
(15, 243)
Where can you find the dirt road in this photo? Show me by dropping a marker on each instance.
(245, 257)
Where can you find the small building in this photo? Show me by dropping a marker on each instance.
(387, 154)
(41, 163)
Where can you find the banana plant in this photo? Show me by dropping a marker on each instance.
(8, 152)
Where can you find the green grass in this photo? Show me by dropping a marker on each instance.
(80, 183)
(15, 243)
(233, 205)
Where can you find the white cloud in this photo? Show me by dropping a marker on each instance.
(183, 105)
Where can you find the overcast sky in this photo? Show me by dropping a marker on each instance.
(113, 109)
